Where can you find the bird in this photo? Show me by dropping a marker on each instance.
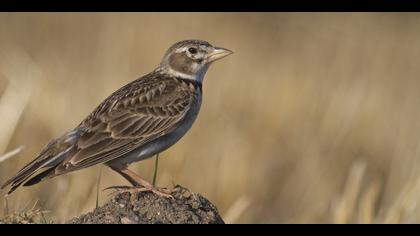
(136, 122)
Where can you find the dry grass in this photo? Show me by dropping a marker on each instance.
(315, 118)
(29, 215)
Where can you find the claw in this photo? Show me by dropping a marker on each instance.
(116, 190)
(116, 187)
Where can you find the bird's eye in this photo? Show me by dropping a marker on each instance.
(192, 50)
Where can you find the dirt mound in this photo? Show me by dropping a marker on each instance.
(148, 208)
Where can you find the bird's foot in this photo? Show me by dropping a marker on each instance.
(138, 189)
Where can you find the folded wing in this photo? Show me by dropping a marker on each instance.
(132, 116)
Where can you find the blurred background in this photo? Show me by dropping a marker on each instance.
(314, 119)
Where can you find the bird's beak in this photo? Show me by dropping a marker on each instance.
(218, 53)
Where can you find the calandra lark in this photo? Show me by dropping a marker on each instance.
(139, 120)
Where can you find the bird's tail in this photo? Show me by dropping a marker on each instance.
(52, 154)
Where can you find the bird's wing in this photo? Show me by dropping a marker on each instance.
(153, 109)
(132, 116)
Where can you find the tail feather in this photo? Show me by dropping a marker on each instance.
(23, 175)
(25, 172)
(40, 177)
(54, 153)
(16, 185)
(34, 180)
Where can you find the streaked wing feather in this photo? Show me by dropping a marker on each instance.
(129, 120)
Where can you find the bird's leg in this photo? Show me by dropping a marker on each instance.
(139, 184)
(155, 171)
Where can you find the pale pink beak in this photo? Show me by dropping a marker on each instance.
(218, 53)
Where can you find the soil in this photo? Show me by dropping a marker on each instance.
(149, 208)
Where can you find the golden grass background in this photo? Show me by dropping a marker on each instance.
(314, 119)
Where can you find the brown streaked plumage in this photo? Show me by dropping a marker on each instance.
(137, 121)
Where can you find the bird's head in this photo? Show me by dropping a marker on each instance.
(191, 58)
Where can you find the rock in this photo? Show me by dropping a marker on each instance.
(126, 220)
(149, 208)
